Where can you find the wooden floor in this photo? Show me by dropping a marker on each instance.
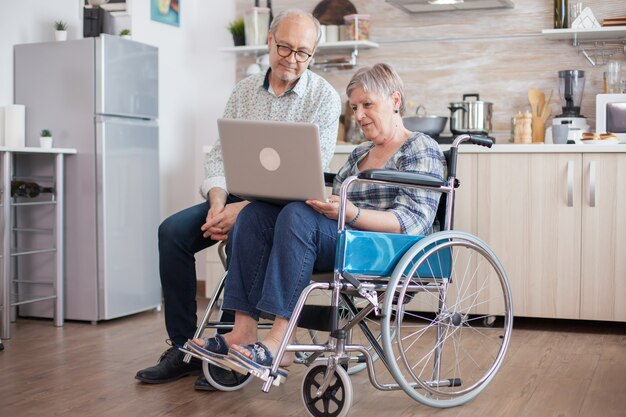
(553, 369)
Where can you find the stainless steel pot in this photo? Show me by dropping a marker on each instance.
(471, 116)
(425, 123)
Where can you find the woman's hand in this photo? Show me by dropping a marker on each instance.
(330, 207)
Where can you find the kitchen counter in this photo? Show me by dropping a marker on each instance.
(518, 148)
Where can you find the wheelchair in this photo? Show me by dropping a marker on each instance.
(434, 311)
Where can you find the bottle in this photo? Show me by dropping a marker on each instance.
(561, 14)
(28, 189)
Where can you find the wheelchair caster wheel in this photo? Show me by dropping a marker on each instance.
(335, 401)
(224, 379)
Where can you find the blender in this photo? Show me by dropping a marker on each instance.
(571, 86)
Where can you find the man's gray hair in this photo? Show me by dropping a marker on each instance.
(381, 79)
(295, 12)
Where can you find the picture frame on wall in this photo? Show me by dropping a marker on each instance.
(165, 11)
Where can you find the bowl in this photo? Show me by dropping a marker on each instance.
(428, 124)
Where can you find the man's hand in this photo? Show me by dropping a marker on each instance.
(220, 218)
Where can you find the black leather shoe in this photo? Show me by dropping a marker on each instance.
(170, 368)
(203, 385)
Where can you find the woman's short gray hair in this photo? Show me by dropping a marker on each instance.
(295, 12)
(381, 79)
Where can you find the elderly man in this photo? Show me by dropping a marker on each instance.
(288, 91)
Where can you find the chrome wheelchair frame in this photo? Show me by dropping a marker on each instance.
(445, 318)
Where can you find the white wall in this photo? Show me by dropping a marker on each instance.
(26, 21)
(195, 79)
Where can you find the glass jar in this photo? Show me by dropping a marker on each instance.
(357, 27)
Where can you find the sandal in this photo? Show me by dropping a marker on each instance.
(215, 351)
(260, 363)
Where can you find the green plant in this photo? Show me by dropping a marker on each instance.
(125, 32)
(60, 25)
(236, 27)
(45, 133)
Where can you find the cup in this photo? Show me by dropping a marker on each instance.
(322, 33)
(560, 134)
(612, 77)
(575, 9)
(256, 23)
(332, 33)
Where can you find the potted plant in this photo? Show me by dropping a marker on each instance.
(60, 33)
(236, 28)
(125, 33)
(45, 139)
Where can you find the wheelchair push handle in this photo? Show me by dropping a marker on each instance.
(481, 140)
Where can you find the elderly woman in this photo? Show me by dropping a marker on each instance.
(276, 249)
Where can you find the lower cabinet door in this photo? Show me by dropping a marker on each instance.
(529, 212)
(603, 285)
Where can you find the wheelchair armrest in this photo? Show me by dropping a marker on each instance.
(401, 177)
(329, 177)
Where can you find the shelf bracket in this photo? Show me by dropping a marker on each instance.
(599, 52)
(339, 63)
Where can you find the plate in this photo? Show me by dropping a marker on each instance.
(600, 141)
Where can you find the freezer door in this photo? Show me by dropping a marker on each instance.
(127, 81)
(128, 216)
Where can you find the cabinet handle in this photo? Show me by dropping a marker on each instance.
(570, 183)
(592, 183)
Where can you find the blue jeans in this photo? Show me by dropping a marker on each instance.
(180, 238)
(274, 252)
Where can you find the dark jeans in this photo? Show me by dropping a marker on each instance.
(180, 238)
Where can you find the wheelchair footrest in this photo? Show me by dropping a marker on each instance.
(229, 365)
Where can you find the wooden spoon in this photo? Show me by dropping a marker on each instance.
(541, 103)
(547, 109)
(533, 98)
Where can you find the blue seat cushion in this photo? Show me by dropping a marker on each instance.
(376, 254)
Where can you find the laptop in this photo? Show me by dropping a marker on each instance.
(276, 162)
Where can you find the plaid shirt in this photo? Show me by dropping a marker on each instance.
(414, 208)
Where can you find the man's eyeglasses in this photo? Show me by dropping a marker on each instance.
(286, 52)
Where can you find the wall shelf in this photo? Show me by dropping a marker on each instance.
(350, 48)
(598, 45)
(341, 46)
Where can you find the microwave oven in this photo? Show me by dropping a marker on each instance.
(611, 114)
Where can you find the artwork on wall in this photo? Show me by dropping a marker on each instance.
(165, 11)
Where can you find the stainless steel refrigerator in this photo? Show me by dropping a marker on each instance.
(100, 96)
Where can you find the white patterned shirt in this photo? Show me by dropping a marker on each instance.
(311, 100)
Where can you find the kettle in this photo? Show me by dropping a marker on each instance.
(471, 116)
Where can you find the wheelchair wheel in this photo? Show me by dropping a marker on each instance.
(447, 319)
(224, 379)
(335, 401)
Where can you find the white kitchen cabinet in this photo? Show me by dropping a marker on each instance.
(603, 278)
(527, 217)
(556, 221)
